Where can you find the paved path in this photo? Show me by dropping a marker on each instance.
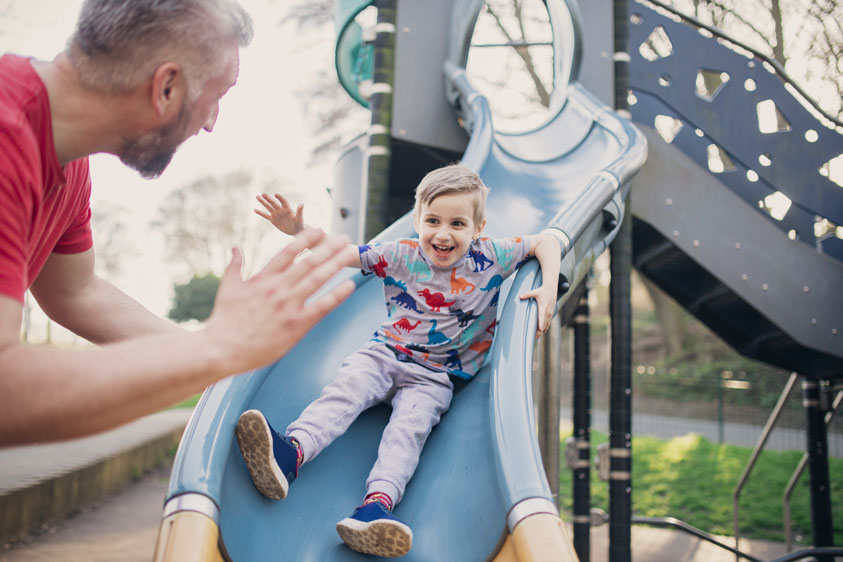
(42, 484)
(120, 528)
(745, 435)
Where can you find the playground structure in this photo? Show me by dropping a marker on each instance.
(572, 176)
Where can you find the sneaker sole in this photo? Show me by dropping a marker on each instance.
(382, 537)
(255, 442)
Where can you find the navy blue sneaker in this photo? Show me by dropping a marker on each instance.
(270, 458)
(372, 529)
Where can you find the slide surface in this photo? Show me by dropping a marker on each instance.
(699, 234)
(482, 460)
(479, 461)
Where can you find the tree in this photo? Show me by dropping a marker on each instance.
(203, 220)
(194, 300)
(333, 114)
(805, 38)
(111, 239)
(511, 61)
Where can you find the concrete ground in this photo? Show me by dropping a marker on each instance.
(122, 527)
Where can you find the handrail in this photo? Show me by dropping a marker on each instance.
(691, 530)
(803, 462)
(768, 428)
(765, 58)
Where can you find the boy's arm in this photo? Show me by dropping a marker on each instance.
(546, 249)
(280, 213)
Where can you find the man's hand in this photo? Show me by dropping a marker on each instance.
(256, 321)
(280, 213)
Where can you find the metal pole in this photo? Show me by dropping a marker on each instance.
(823, 532)
(582, 430)
(550, 407)
(379, 152)
(620, 393)
(803, 462)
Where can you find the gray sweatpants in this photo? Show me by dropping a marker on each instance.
(369, 376)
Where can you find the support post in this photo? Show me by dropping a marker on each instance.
(817, 438)
(582, 430)
(620, 398)
(549, 377)
(620, 392)
(379, 152)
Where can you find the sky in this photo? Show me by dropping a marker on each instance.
(259, 128)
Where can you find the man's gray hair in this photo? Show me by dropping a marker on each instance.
(120, 43)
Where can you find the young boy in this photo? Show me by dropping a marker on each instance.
(442, 293)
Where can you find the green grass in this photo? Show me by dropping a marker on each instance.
(693, 479)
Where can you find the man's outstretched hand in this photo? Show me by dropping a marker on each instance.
(256, 321)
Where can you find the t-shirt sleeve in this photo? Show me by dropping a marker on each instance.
(510, 253)
(78, 236)
(377, 258)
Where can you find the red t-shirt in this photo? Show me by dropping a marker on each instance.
(44, 208)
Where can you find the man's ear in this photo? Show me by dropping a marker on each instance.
(168, 88)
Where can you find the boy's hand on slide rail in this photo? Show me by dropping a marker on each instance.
(256, 321)
(546, 300)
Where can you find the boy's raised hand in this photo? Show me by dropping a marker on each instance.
(280, 213)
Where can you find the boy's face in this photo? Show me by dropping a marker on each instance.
(446, 228)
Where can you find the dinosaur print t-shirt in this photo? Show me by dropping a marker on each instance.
(442, 318)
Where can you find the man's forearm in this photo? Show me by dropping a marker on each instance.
(102, 313)
(53, 394)
(49, 394)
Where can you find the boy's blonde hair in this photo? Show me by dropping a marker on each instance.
(454, 178)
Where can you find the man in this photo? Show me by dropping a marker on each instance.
(137, 78)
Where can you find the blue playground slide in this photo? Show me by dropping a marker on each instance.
(704, 229)
(480, 474)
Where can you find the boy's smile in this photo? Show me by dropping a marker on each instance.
(446, 228)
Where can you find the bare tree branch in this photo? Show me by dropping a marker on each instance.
(523, 52)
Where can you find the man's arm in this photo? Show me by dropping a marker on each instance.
(546, 249)
(48, 394)
(70, 293)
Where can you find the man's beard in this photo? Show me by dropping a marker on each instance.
(151, 154)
